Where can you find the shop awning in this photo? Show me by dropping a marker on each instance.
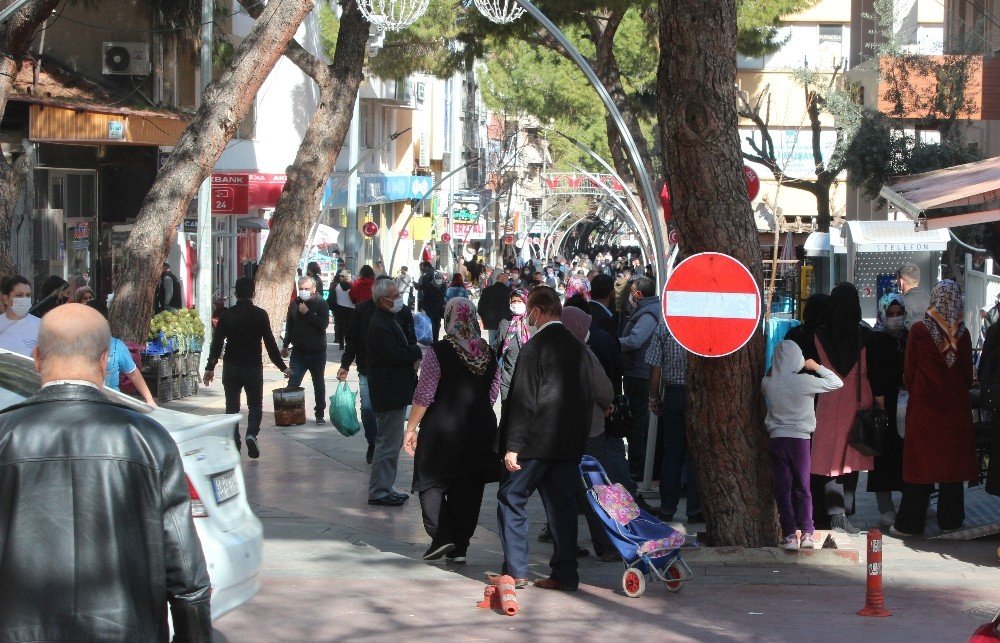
(955, 196)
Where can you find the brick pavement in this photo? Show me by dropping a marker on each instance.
(338, 569)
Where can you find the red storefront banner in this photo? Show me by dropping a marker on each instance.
(243, 192)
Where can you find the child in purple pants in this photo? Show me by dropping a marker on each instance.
(791, 420)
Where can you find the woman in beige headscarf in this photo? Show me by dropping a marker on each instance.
(940, 442)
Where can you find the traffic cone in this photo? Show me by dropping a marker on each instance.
(874, 601)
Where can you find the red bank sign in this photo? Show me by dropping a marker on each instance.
(239, 193)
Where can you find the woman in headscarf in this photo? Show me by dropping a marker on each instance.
(841, 345)
(55, 291)
(512, 334)
(454, 453)
(885, 358)
(813, 316)
(940, 441)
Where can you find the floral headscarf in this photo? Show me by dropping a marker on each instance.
(518, 328)
(944, 319)
(462, 331)
(888, 299)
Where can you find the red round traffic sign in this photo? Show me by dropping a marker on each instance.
(711, 304)
(509, 239)
(370, 229)
(446, 237)
(753, 182)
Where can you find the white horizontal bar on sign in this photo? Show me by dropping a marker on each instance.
(731, 305)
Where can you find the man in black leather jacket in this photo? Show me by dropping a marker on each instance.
(96, 535)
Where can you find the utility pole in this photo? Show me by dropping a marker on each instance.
(352, 245)
(203, 290)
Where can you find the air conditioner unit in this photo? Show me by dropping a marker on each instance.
(125, 59)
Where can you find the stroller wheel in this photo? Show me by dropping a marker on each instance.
(674, 571)
(634, 582)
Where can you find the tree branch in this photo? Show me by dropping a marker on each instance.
(299, 55)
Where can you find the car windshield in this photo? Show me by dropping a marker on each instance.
(19, 381)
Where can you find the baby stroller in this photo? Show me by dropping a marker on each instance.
(648, 546)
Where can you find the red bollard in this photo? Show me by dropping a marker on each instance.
(874, 601)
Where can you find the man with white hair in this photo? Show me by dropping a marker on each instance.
(113, 542)
(916, 299)
(305, 332)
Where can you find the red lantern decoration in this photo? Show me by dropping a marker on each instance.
(446, 237)
(753, 182)
(665, 202)
(404, 233)
(370, 229)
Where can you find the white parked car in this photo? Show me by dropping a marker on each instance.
(231, 535)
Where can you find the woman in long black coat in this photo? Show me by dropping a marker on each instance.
(454, 452)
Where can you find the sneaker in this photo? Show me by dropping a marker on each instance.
(320, 420)
(546, 535)
(841, 524)
(399, 494)
(456, 556)
(806, 542)
(790, 543)
(387, 501)
(370, 454)
(252, 450)
(436, 551)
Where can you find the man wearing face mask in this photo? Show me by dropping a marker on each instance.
(635, 341)
(18, 329)
(494, 305)
(430, 297)
(392, 379)
(305, 332)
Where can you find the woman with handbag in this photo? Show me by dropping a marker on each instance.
(940, 439)
(454, 456)
(886, 350)
(841, 346)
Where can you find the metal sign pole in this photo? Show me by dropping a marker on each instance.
(203, 291)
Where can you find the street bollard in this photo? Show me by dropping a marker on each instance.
(874, 601)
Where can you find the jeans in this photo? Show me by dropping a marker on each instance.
(790, 465)
(676, 456)
(637, 392)
(450, 510)
(368, 419)
(315, 363)
(556, 482)
(236, 379)
(386, 458)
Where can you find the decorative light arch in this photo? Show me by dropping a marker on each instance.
(393, 15)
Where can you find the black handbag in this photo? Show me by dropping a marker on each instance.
(617, 424)
(871, 426)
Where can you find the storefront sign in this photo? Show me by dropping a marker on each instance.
(239, 193)
(190, 226)
(116, 130)
(469, 231)
(895, 247)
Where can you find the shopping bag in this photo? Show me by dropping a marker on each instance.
(423, 329)
(343, 414)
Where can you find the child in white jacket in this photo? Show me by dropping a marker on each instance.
(791, 420)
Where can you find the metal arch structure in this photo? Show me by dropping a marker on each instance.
(659, 228)
(646, 244)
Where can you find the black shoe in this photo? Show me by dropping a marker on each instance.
(546, 535)
(696, 519)
(665, 516)
(387, 501)
(456, 556)
(841, 524)
(370, 454)
(252, 450)
(436, 551)
(610, 556)
(320, 420)
(641, 502)
(397, 494)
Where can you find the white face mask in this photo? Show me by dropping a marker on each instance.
(895, 323)
(532, 328)
(21, 306)
(305, 295)
(438, 281)
(517, 309)
(397, 304)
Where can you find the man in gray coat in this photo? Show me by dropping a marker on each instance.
(635, 341)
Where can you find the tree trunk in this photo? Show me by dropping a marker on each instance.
(298, 208)
(824, 215)
(701, 153)
(15, 39)
(224, 104)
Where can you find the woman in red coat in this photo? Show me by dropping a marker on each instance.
(939, 446)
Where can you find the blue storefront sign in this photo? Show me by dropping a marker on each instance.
(377, 188)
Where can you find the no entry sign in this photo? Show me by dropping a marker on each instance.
(711, 304)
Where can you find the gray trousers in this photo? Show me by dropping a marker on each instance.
(387, 444)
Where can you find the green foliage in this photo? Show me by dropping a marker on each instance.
(758, 22)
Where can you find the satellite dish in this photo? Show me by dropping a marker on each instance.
(117, 59)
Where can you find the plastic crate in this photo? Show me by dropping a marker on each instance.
(175, 387)
(163, 391)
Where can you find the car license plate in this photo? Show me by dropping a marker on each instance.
(226, 486)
